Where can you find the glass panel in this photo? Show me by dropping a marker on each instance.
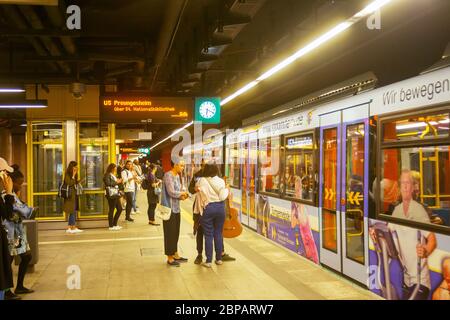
(47, 167)
(93, 205)
(269, 156)
(47, 132)
(233, 165)
(298, 174)
(93, 148)
(329, 168)
(49, 206)
(329, 228)
(354, 217)
(93, 163)
(329, 218)
(419, 127)
(416, 184)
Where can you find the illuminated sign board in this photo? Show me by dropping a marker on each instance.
(144, 109)
(207, 110)
(144, 150)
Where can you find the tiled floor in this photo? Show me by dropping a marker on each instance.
(129, 264)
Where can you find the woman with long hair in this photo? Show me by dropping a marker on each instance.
(152, 196)
(71, 204)
(113, 195)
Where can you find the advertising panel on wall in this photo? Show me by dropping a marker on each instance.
(293, 225)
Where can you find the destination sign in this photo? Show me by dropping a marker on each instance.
(145, 109)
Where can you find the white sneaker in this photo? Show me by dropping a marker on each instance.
(77, 230)
(112, 228)
(119, 227)
(206, 264)
(219, 262)
(69, 231)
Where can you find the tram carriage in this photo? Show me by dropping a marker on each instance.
(328, 183)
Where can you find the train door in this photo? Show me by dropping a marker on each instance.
(244, 145)
(249, 157)
(343, 198)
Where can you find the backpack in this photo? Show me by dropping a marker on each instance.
(145, 184)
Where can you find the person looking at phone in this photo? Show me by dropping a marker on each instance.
(17, 234)
(129, 179)
(6, 211)
(72, 203)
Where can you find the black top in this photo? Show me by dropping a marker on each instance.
(151, 196)
(159, 173)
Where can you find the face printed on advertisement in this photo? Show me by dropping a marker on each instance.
(406, 186)
(446, 271)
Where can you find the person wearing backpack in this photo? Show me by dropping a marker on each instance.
(71, 203)
(153, 192)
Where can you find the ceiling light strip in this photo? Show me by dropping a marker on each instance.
(371, 8)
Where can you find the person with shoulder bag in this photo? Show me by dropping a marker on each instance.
(153, 192)
(113, 195)
(170, 198)
(71, 203)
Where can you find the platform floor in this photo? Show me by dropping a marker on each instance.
(129, 264)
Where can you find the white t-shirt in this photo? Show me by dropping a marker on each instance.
(213, 188)
(408, 239)
(127, 177)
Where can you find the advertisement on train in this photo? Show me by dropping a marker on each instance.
(291, 224)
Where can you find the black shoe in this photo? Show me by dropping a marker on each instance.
(153, 223)
(23, 290)
(173, 263)
(181, 259)
(130, 220)
(199, 259)
(227, 257)
(9, 295)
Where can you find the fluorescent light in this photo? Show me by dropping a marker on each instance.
(173, 134)
(24, 106)
(338, 29)
(11, 90)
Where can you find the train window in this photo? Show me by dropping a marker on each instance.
(269, 167)
(418, 127)
(415, 178)
(232, 166)
(298, 180)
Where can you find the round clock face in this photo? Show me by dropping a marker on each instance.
(207, 109)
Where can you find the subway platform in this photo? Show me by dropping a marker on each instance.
(130, 265)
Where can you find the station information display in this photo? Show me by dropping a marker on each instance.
(146, 109)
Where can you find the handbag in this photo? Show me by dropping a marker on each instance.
(112, 192)
(63, 191)
(157, 191)
(163, 212)
(79, 189)
(164, 209)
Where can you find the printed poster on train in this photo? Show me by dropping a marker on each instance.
(291, 224)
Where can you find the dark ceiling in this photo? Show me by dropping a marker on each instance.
(214, 47)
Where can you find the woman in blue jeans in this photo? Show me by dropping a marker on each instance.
(214, 192)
